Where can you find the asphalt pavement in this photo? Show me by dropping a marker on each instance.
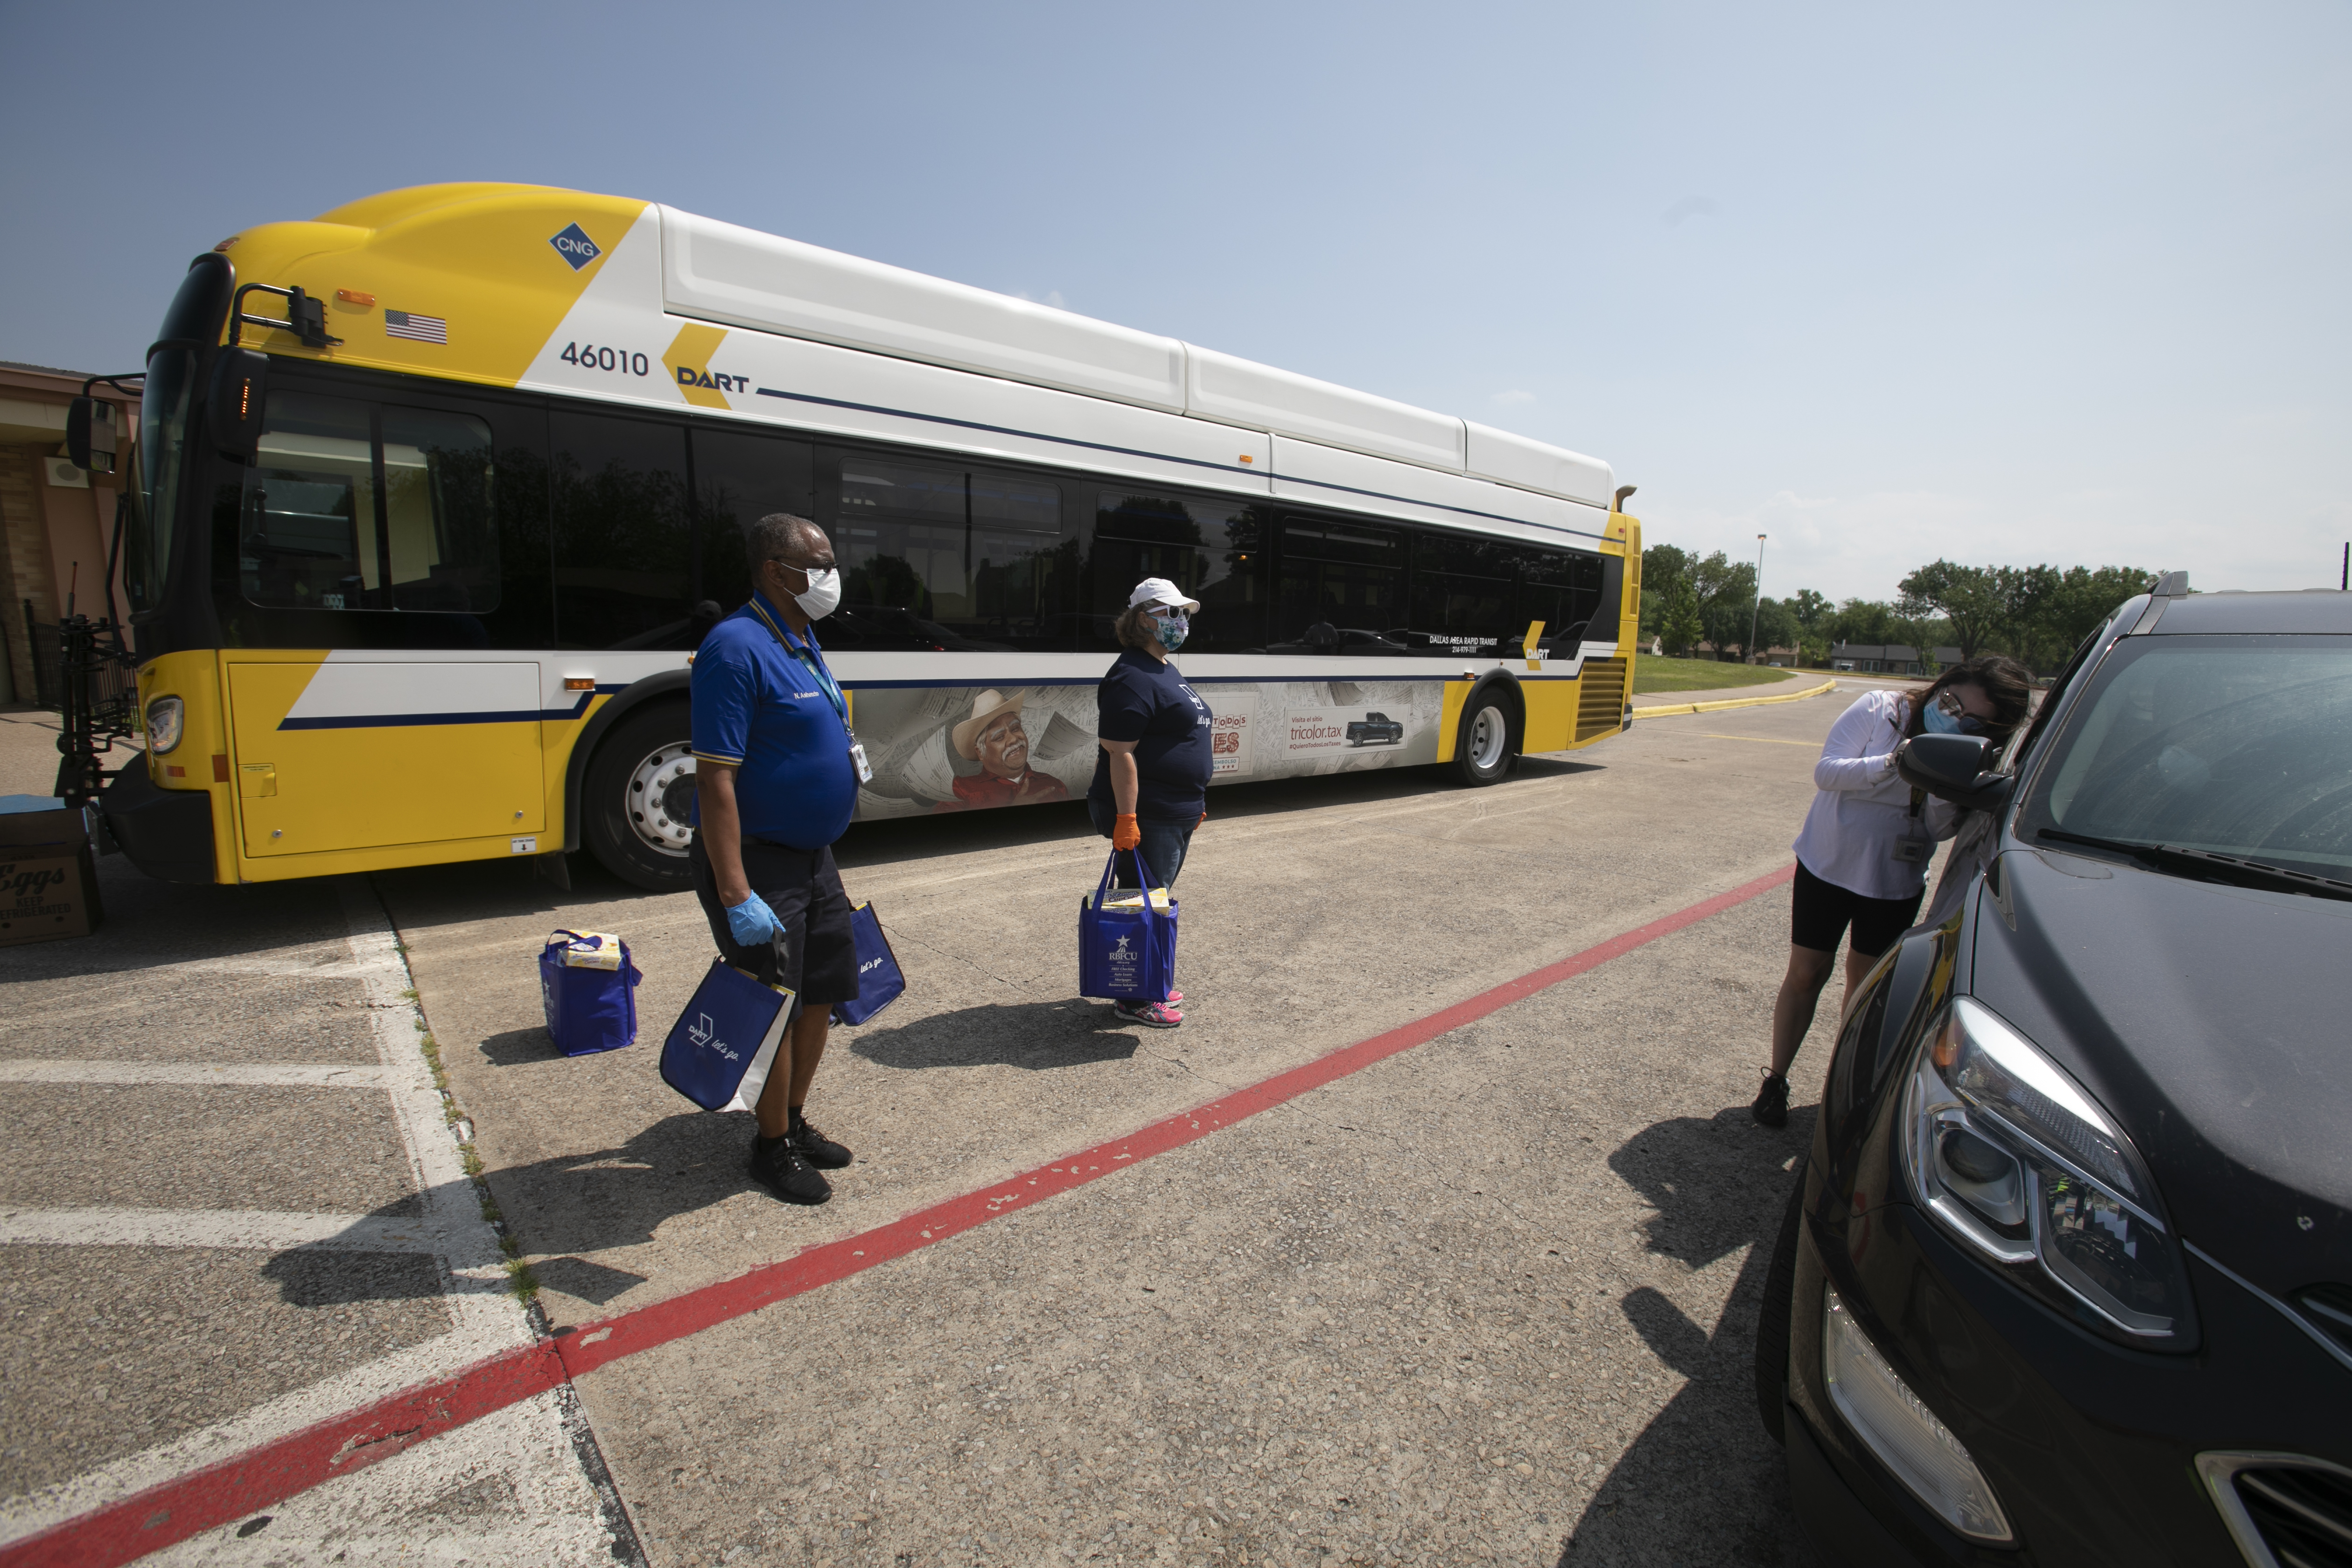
(1487, 1298)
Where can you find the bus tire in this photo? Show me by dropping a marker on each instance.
(637, 799)
(1483, 745)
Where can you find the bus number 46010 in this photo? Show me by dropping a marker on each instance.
(588, 356)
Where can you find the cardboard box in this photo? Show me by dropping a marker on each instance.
(49, 881)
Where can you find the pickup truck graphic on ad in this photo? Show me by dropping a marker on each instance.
(1375, 728)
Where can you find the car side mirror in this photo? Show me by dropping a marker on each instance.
(91, 435)
(240, 379)
(1952, 767)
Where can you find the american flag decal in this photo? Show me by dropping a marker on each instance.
(420, 328)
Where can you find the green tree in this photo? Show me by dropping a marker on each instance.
(1777, 626)
(1727, 594)
(1968, 597)
(1680, 623)
(1663, 566)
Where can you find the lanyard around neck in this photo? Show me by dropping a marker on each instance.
(805, 655)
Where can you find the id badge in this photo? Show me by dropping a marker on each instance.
(1915, 851)
(857, 756)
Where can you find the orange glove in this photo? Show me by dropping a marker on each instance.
(1125, 834)
(1204, 816)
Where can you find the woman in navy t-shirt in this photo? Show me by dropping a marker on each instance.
(1151, 783)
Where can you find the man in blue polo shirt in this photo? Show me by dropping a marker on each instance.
(776, 775)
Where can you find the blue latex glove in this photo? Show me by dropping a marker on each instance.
(753, 923)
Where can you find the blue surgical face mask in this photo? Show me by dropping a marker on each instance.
(1939, 723)
(1171, 631)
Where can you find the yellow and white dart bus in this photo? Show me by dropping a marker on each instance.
(437, 493)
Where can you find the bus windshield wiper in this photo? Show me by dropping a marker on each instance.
(2229, 868)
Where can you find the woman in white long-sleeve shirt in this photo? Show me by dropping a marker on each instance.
(1862, 857)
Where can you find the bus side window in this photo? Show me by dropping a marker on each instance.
(738, 479)
(1341, 589)
(440, 526)
(623, 557)
(307, 535)
(1212, 548)
(1463, 595)
(948, 557)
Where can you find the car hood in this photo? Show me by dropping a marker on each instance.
(2211, 1022)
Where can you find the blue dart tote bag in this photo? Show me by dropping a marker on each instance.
(588, 986)
(1126, 942)
(879, 981)
(719, 1051)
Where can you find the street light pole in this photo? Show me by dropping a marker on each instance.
(1758, 603)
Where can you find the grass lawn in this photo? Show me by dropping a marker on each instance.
(1706, 674)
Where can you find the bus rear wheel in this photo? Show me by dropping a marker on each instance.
(1481, 747)
(636, 801)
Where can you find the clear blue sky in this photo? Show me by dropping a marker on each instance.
(2001, 283)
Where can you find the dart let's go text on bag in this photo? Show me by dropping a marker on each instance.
(720, 1050)
(880, 981)
(1126, 937)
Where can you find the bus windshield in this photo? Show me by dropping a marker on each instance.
(193, 322)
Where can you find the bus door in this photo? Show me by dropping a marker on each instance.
(359, 753)
(362, 525)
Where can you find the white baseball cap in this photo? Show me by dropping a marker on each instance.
(1161, 591)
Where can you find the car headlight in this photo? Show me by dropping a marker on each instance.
(164, 719)
(2006, 1150)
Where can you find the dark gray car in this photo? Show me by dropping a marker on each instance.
(2068, 1274)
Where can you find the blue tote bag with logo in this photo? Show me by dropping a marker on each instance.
(1126, 945)
(587, 983)
(720, 1050)
(879, 979)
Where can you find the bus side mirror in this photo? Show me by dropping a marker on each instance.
(240, 380)
(91, 435)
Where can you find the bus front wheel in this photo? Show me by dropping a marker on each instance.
(636, 801)
(1481, 747)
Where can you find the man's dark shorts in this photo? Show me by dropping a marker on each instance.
(804, 890)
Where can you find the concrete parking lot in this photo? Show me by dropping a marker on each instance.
(1487, 1298)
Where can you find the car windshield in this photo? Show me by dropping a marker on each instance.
(2232, 745)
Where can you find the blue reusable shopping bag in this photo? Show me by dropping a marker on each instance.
(590, 1007)
(1125, 954)
(879, 981)
(719, 1051)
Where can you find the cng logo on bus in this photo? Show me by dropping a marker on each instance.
(575, 246)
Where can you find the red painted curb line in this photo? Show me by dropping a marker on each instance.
(243, 1484)
(240, 1486)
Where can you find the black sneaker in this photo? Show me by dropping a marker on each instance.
(779, 1167)
(1772, 1107)
(814, 1147)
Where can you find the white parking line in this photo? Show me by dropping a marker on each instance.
(265, 1230)
(550, 1456)
(237, 1075)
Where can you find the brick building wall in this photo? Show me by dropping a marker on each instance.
(26, 569)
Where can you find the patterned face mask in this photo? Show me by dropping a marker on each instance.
(1944, 716)
(1171, 631)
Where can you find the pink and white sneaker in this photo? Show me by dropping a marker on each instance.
(1151, 1015)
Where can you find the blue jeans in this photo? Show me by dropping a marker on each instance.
(1164, 846)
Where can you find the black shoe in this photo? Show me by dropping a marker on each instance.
(814, 1147)
(1772, 1107)
(779, 1167)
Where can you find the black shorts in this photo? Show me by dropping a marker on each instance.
(1821, 912)
(804, 890)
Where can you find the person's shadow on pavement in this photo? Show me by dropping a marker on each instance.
(1703, 1483)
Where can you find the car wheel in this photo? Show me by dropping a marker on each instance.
(1772, 1317)
(636, 800)
(1481, 747)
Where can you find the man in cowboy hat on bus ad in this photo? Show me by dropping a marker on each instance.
(991, 758)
